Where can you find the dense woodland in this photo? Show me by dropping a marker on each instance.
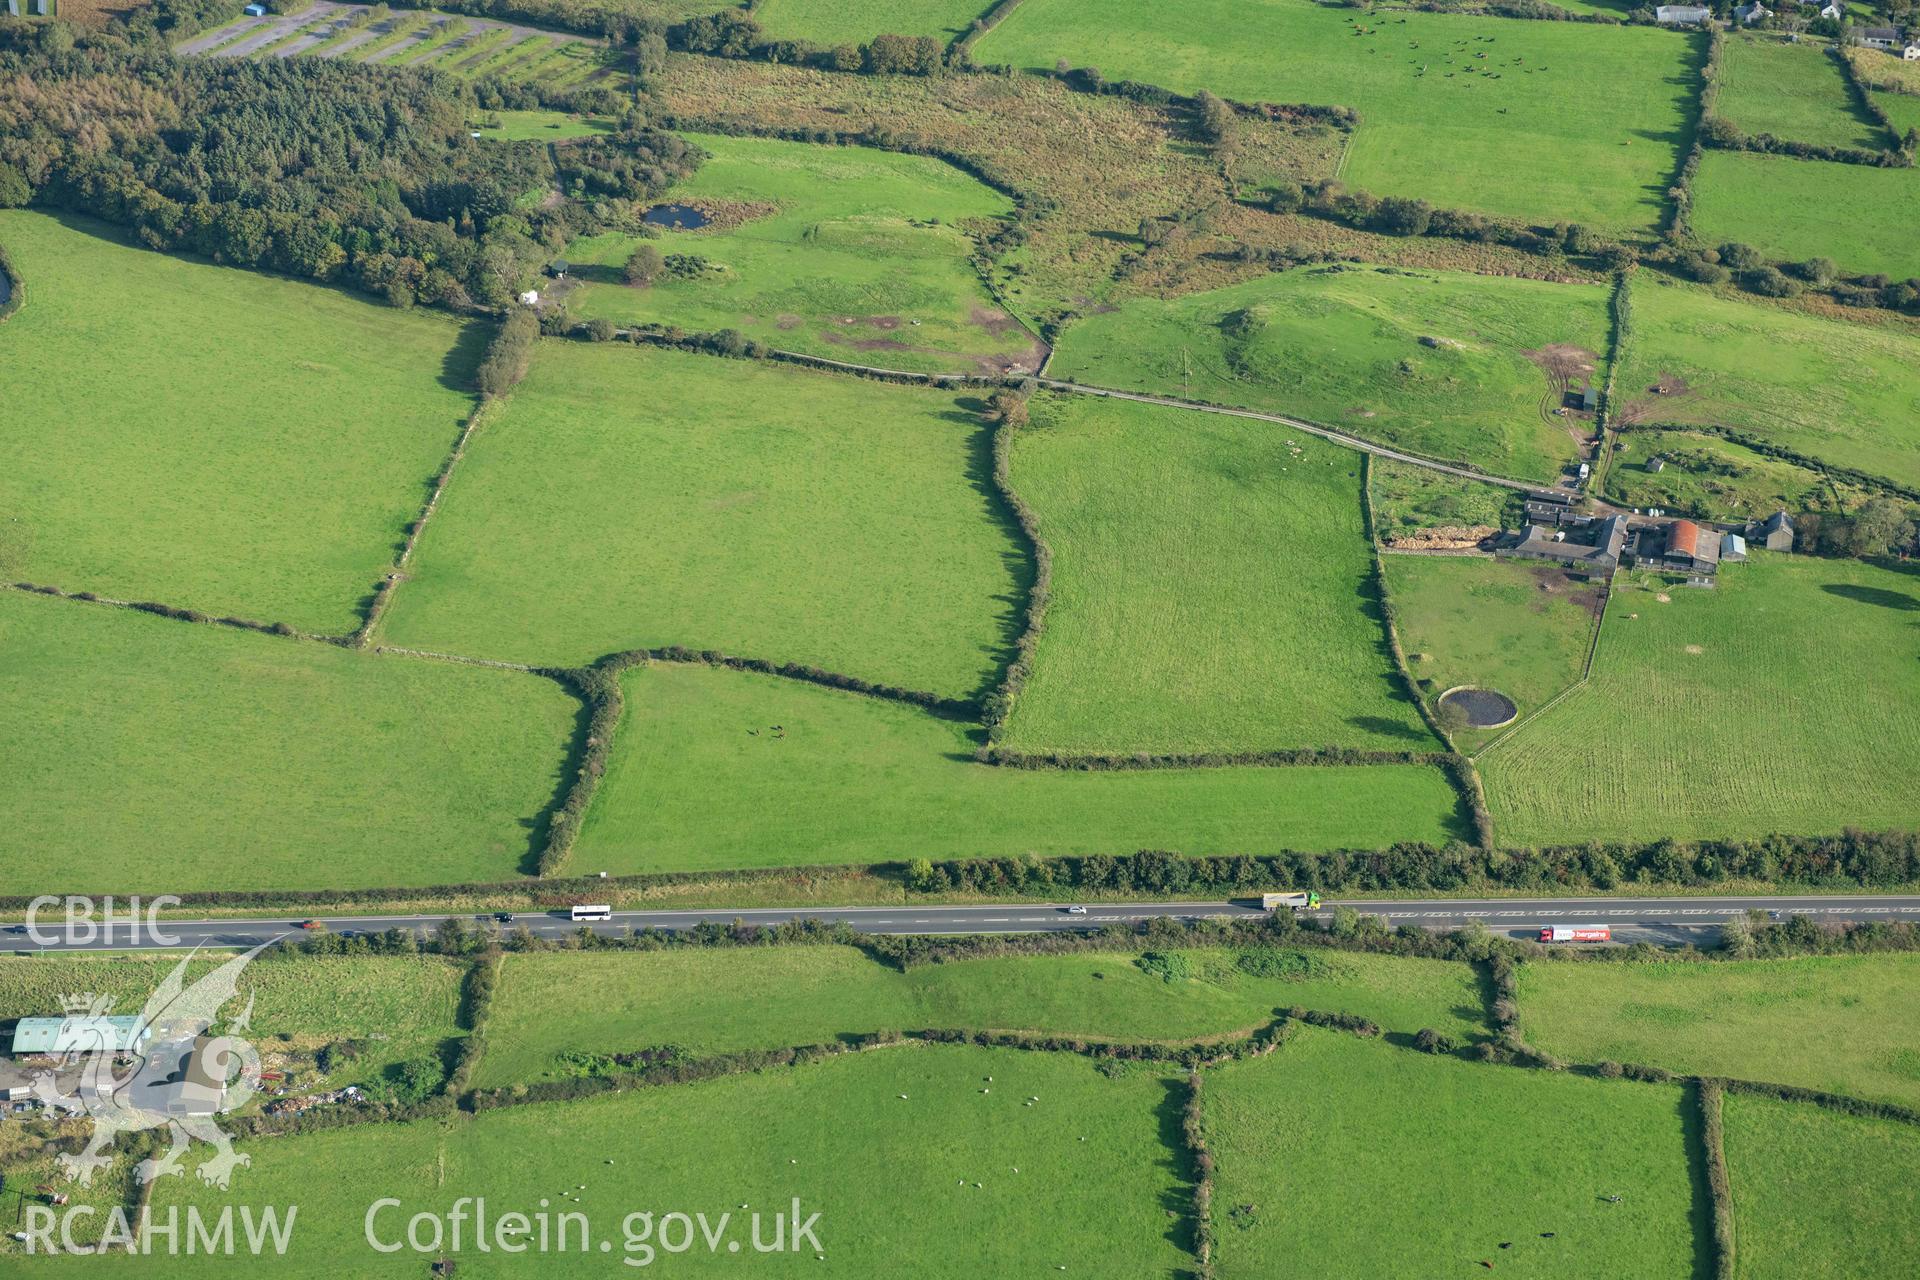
(320, 169)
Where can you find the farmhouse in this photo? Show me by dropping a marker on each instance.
(1880, 37)
(1912, 52)
(1682, 15)
(80, 1034)
(1752, 13)
(1592, 550)
(1775, 533)
(1833, 9)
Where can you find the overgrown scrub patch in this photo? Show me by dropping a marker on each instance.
(1211, 588)
(1818, 1194)
(1840, 1024)
(213, 438)
(556, 1011)
(1691, 690)
(1444, 364)
(1375, 1141)
(237, 760)
(719, 768)
(628, 498)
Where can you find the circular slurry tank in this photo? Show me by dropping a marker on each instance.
(1484, 708)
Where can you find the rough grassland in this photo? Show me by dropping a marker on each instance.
(1842, 393)
(856, 255)
(1820, 1196)
(1795, 92)
(1435, 362)
(1211, 587)
(1715, 478)
(213, 438)
(831, 22)
(1396, 1164)
(1559, 120)
(399, 1006)
(892, 1178)
(1519, 628)
(143, 754)
(1845, 1024)
(1858, 215)
(1407, 498)
(712, 1001)
(625, 498)
(1681, 730)
(701, 778)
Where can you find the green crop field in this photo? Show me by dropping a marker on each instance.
(1838, 392)
(629, 497)
(833, 22)
(716, 1001)
(958, 1178)
(1858, 215)
(396, 1007)
(1392, 1163)
(844, 252)
(1557, 121)
(1843, 1024)
(1820, 1196)
(1520, 629)
(1455, 366)
(1795, 92)
(212, 438)
(149, 755)
(1692, 697)
(715, 768)
(1211, 587)
(1711, 477)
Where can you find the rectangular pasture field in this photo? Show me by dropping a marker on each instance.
(1861, 216)
(714, 1001)
(215, 439)
(1558, 120)
(1694, 696)
(1794, 92)
(151, 755)
(714, 768)
(627, 497)
(1212, 587)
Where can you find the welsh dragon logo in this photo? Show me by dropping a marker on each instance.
(182, 1078)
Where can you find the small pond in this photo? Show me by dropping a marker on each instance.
(1483, 708)
(681, 217)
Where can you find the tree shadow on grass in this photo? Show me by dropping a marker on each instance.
(1019, 556)
(1700, 1210)
(540, 826)
(1170, 1116)
(1873, 595)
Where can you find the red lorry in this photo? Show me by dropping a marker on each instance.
(1576, 933)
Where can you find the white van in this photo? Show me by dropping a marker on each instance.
(593, 913)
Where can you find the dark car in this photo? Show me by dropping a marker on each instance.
(503, 917)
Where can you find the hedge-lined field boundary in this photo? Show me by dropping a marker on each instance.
(1709, 1094)
(998, 704)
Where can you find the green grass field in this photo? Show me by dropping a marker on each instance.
(397, 1006)
(1337, 1157)
(833, 22)
(1681, 730)
(715, 1001)
(699, 779)
(1903, 109)
(1843, 1024)
(1211, 587)
(1842, 393)
(1858, 215)
(1558, 120)
(892, 1178)
(1521, 629)
(1820, 1196)
(1711, 477)
(1443, 364)
(541, 126)
(845, 252)
(629, 497)
(148, 755)
(1794, 92)
(212, 438)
